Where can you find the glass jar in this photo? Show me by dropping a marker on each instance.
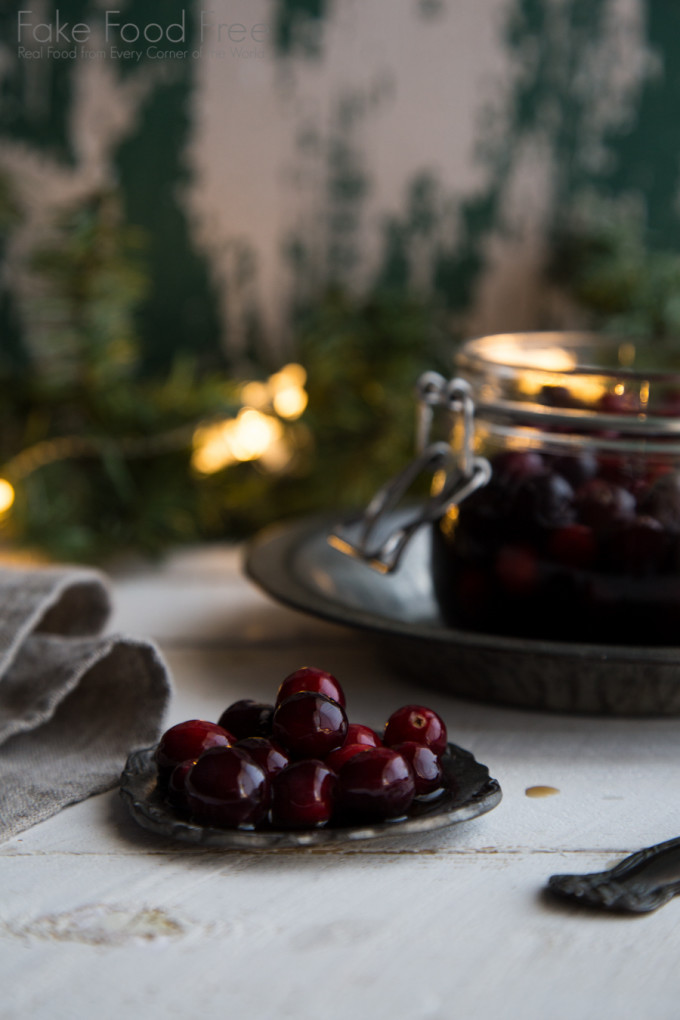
(555, 507)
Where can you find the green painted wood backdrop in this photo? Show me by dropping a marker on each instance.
(555, 65)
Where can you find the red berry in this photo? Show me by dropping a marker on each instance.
(247, 718)
(619, 403)
(617, 469)
(603, 505)
(310, 725)
(557, 396)
(415, 722)
(670, 408)
(543, 501)
(472, 592)
(336, 759)
(188, 740)
(309, 678)
(425, 764)
(226, 787)
(376, 784)
(177, 789)
(268, 755)
(662, 501)
(640, 547)
(359, 734)
(517, 569)
(514, 465)
(577, 468)
(303, 795)
(573, 546)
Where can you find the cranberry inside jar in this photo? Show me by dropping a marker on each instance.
(576, 534)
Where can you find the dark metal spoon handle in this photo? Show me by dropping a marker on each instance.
(639, 883)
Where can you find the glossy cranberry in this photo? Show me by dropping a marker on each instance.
(517, 569)
(177, 790)
(425, 765)
(655, 471)
(486, 516)
(603, 505)
(188, 740)
(544, 501)
(573, 546)
(619, 470)
(417, 723)
(376, 784)
(640, 547)
(619, 403)
(309, 678)
(226, 787)
(472, 593)
(662, 501)
(248, 718)
(303, 795)
(359, 734)
(557, 396)
(577, 468)
(513, 466)
(310, 725)
(336, 759)
(670, 408)
(267, 754)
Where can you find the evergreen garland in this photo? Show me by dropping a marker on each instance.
(606, 262)
(100, 456)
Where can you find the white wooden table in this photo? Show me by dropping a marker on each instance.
(100, 919)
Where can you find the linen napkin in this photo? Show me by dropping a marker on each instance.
(73, 702)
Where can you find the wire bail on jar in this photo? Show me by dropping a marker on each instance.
(455, 478)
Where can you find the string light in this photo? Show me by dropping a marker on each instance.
(255, 394)
(252, 435)
(212, 451)
(6, 495)
(284, 391)
(290, 402)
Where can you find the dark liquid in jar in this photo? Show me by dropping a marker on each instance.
(582, 547)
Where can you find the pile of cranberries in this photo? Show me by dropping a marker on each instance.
(577, 547)
(299, 763)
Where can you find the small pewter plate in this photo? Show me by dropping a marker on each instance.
(468, 791)
(295, 564)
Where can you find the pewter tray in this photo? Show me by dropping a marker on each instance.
(294, 564)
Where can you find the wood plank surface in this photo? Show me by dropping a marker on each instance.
(99, 918)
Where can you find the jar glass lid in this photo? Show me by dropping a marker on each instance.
(581, 381)
(575, 353)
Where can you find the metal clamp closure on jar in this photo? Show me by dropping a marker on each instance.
(456, 476)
